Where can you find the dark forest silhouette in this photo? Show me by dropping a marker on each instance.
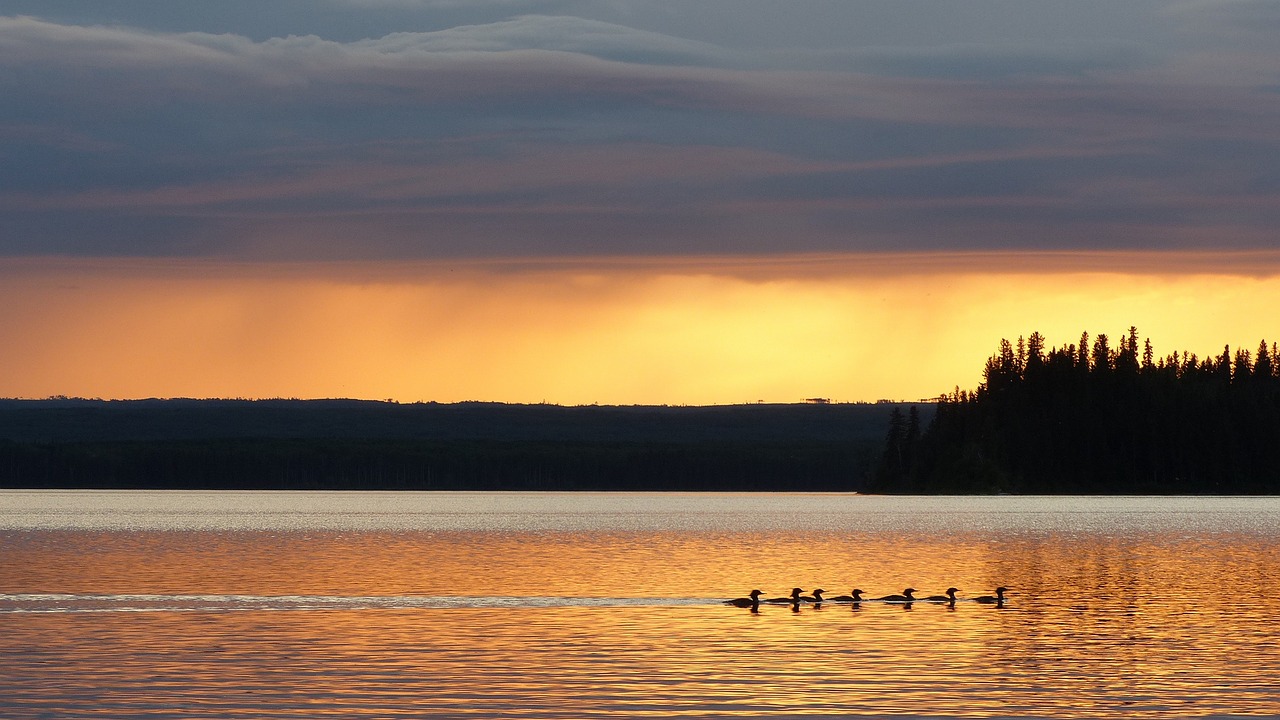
(1099, 419)
(1093, 418)
(356, 445)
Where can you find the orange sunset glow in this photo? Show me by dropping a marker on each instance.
(622, 204)
(652, 331)
(732, 358)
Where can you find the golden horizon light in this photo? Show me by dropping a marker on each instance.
(682, 331)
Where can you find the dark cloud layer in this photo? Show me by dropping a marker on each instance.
(374, 129)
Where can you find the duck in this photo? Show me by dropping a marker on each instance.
(907, 595)
(997, 599)
(949, 597)
(854, 597)
(816, 598)
(752, 601)
(794, 598)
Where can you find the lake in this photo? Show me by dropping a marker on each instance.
(539, 605)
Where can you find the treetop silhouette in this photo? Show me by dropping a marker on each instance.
(1101, 418)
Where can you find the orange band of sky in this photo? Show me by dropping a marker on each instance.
(636, 331)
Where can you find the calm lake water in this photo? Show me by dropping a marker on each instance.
(529, 605)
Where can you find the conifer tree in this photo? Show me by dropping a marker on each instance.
(1222, 369)
(1035, 353)
(1262, 366)
(1090, 419)
(1101, 360)
(1242, 369)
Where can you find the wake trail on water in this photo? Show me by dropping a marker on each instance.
(90, 603)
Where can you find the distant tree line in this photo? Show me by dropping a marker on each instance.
(406, 464)
(354, 445)
(1098, 418)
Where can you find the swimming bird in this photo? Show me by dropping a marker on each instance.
(949, 598)
(856, 597)
(907, 595)
(997, 599)
(794, 599)
(752, 602)
(816, 598)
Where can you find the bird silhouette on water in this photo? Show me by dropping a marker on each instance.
(855, 597)
(907, 597)
(751, 601)
(997, 599)
(793, 599)
(815, 598)
(949, 598)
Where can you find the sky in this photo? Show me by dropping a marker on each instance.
(704, 202)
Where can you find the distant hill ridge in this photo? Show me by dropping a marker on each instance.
(370, 445)
(80, 420)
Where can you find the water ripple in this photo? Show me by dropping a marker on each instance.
(79, 603)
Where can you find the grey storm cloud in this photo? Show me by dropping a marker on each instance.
(528, 128)
(565, 34)
(523, 56)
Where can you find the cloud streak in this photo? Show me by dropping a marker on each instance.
(540, 134)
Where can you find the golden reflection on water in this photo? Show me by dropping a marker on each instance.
(1158, 625)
